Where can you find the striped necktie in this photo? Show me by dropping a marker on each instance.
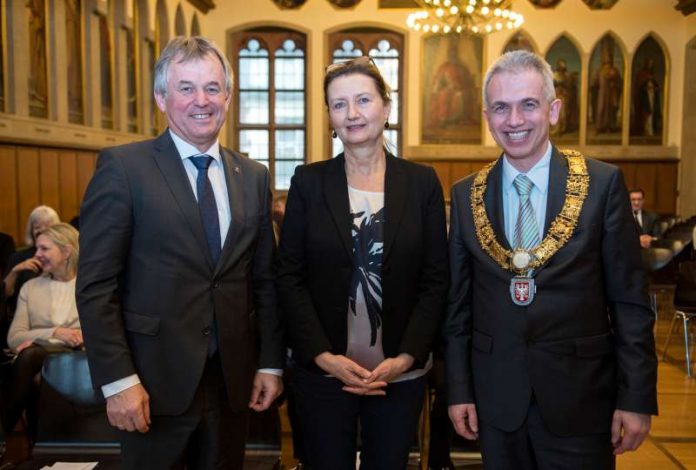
(526, 228)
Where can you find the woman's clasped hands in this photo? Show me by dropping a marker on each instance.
(357, 379)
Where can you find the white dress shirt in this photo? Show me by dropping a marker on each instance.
(539, 174)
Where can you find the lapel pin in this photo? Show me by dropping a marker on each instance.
(236, 170)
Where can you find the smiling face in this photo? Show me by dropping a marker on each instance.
(356, 110)
(53, 259)
(519, 116)
(196, 100)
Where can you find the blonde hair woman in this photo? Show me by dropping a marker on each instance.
(22, 265)
(45, 321)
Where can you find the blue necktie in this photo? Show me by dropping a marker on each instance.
(211, 225)
(526, 228)
(207, 206)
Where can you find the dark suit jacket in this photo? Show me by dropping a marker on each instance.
(146, 285)
(650, 225)
(316, 260)
(584, 347)
(7, 248)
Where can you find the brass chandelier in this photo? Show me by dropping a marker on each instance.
(478, 17)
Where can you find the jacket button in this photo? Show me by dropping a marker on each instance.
(216, 285)
(206, 331)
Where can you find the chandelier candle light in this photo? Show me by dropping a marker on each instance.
(478, 17)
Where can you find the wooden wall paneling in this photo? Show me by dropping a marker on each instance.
(86, 162)
(28, 183)
(646, 179)
(49, 178)
(629, 173)
(9, 216)
(460, 170)
(442, 169)
(666, 189)
(69, 191)
(477, 166)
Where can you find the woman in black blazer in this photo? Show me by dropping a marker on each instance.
(363, 279)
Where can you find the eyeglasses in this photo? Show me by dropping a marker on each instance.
(362, 60)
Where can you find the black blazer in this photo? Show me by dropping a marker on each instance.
(650, 224)
(584, 347)
(146, 284)
(316, 260)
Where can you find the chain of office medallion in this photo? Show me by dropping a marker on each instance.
(561, 229)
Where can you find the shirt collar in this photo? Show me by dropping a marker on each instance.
(187, 150)
(539, 173)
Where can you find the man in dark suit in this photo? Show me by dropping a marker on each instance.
(549, 347)
(175, 283)
(646, 221)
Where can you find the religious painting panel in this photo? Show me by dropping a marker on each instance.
(344, 3)
(73, 31)
(38, 71)
(2, 62)
(648, 75)
(544, 3)
(106, 74)
(195, 26)
(565, 61)
(179, 21)
(605, 97)
(131, 79)
(452, 79)
(519, 41)
(289, 4)
(600, 4)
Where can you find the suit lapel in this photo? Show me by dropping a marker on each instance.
(558, 176)
(336, 193)
(235, 192)
(169, 163)
(395, 197)
(493, 198)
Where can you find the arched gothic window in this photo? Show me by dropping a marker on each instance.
(270, 115)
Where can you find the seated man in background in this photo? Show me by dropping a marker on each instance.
(646, 221)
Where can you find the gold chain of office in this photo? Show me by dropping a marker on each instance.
(561, 229)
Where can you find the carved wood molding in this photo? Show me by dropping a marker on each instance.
(203, 5)
(687, 7)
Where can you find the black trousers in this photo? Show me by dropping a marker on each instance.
(208, 435)
(533, 447)
(330, 418)
(298, 445)
(20, 391)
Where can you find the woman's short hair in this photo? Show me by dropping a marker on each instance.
(184, 50)
(64, 235)
(521, 61)
(363, 65)
(40, 213)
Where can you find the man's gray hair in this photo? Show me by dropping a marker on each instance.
(183, 49)
(521, 61)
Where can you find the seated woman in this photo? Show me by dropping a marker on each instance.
(45, 321)
(22, 265)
